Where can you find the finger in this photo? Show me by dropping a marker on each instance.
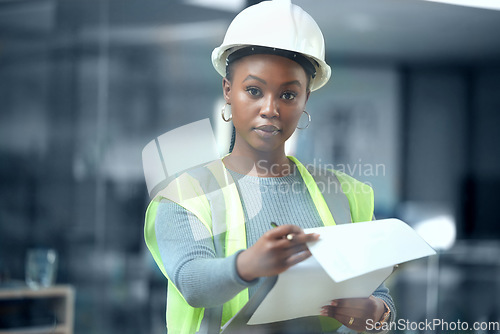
(290, 247)
(335, 311)
(356, 307)
(283, 249)
(296, 249)
(284, 244)
(303, 238)
(291, 239)
(367, 306)
(282, 230)
(297, 258)
(330, 311)
(350, 302)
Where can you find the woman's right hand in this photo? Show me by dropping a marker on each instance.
(274, 253)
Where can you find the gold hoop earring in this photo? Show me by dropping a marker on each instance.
(223, 111)
(308, 121)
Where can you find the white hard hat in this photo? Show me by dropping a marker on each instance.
(276, 24)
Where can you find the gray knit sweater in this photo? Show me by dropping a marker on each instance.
(188, 253)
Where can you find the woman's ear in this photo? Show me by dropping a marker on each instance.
(226, 90)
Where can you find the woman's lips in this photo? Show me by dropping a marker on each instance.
(267, 131)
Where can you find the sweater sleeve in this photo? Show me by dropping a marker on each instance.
(188, 254)
(382, 292)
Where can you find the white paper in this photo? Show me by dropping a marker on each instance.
(349, 261)
(350, 250)
(289, 300)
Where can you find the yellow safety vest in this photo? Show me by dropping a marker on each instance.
(187, 191)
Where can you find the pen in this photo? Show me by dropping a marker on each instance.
(289, 236)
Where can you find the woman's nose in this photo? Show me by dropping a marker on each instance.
(269, 108)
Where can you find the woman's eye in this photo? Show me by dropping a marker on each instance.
(288, 95)
(253, 91)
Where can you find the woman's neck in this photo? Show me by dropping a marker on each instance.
(262, 164)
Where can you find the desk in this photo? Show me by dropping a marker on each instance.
(60, 299)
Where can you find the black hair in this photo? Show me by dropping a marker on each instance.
(300, 59)
(307, 64)
(233, 138)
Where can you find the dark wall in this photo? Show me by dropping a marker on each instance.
(452, 143)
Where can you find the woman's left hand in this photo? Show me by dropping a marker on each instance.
(354, 312)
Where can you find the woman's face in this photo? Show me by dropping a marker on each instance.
(267, 94)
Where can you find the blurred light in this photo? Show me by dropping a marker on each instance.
(439, 232)
(162, 34)
(486, 4)
(232, 6)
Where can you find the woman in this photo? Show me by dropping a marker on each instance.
(210, 230)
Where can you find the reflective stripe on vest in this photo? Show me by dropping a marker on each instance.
(211, 195)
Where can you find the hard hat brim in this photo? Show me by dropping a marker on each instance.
(220, 54)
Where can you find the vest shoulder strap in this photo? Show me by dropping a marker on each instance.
(360, 195)
(332, 192)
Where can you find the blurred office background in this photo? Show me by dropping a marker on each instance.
(413, 108)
